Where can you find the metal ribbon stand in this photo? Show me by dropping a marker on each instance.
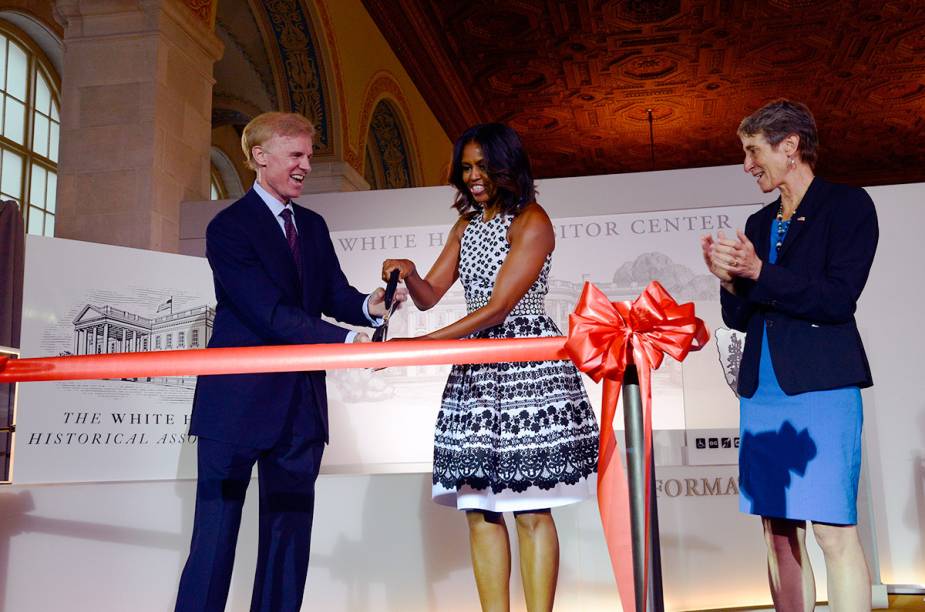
(636, 474)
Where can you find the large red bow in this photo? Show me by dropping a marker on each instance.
(604, 338)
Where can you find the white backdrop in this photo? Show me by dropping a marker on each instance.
(389, 415)
(97, 430)
(88, 298)
(894, 408)
(380, 544)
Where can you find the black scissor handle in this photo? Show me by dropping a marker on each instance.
(383, 330)
(390, 288)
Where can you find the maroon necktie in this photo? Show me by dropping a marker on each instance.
(293, 239)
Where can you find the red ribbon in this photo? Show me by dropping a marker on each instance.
(290, 358)
(604, 338)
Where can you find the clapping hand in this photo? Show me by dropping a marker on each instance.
(728, 258)
(707, 243)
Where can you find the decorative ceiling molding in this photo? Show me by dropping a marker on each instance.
(235, 33)
(271, 48)
(384, 86)
(419, 38)
(388, 140)
(228, 109)
(204, 10)
(289, 37)
(349, 153)
(576, 79)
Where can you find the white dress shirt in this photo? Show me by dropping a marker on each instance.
(276, 207)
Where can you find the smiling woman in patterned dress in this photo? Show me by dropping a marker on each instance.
(518, 437)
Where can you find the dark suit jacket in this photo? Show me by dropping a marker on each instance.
(260, 301)
(808, 298)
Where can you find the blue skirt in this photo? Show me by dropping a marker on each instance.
(799, 455)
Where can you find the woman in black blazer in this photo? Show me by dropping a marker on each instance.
(791, 281)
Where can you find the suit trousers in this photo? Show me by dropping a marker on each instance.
(286, 480)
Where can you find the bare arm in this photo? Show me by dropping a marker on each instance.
(532, 239)
(426, 292)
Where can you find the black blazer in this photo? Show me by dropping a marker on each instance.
(260, 301)
(808, 298)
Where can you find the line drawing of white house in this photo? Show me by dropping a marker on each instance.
(105, 329)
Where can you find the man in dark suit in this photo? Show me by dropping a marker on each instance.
(275, 273)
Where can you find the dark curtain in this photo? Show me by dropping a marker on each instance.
(12, 258)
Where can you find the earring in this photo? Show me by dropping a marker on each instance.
(792, 162)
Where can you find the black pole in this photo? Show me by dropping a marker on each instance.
(636, 477)
(655, 559)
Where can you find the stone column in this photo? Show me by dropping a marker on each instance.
(135, 118)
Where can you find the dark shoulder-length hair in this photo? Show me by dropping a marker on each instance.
(781, 118)
(507, 166)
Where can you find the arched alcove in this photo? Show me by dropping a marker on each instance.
(224, 167)
(388, 162)
(275, 59)
(291, 41)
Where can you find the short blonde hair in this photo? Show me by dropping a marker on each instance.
(265, 126)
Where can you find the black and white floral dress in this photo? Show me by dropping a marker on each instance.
(512, 436)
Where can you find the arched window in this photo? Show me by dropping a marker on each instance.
(216, 188)
(29, 131)
(225, 182)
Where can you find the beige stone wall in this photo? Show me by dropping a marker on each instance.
(136, 104)
(136, 120)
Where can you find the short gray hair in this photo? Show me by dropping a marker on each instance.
(781, 118)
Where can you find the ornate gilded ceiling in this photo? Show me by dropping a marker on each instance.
(576, 78)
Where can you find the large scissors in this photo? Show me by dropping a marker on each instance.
(382, 332)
